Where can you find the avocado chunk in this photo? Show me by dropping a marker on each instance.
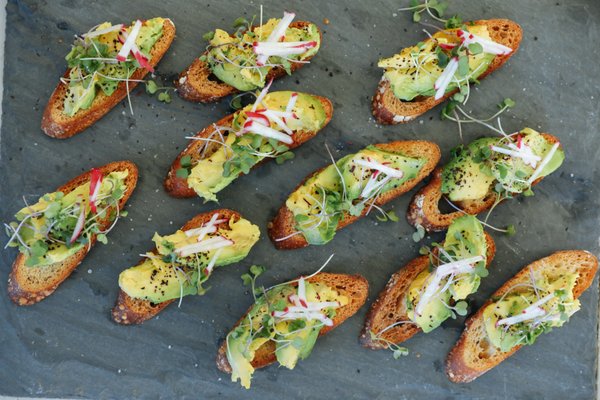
(476, 170)
(465, 179)
(232, 58)
(88, 70)
(557, 311)
(166, 275)
(465, 239)
(233, 155)
(79, 97)
(51, 221)
(413, 72)
(294, 338)
(320, 203)
(355, 176)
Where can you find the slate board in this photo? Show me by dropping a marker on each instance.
(67, 346)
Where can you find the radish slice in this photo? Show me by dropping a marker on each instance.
(394, 173)
(260, 129)
(275, 118)
(103, 31)
(130, 41)
(139, 56)
(291, 102)
(79, 224)
(213, 261)
(207, 227)
(489, 46)
(447, 46)
(278, 34)
(533, 311)
(442, 82)
(282, 49)
(524, 152)
(456, 267)
(258, 116)
(544, 162)
(95, 184)
(303, 309)
(204, 246)
(262, 95)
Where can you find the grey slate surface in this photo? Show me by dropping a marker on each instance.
(67, 346)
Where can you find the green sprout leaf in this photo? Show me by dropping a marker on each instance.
(419, 234)
(182, 173)
(507, 103)
(416, 16)
(151, 86)
(247, 279)
(400, 352)
(510, 230)
(257, 270)
(101, 237)
(208, 36)
(186, 161)
(463, 65)
(461, 308)
(475, 48)
(165, 97)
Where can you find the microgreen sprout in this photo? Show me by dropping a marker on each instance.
(397, 350)
(164, 96)
(435, 9)
(72, 224)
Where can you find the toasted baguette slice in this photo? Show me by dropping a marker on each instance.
(355, 287)
(424, 207)
(473, 354)
(61, 126)
(390, 110)
(198, 84)
(29, 285)
(283, 225)
(390, 306)
(129, 310)
(178, 187)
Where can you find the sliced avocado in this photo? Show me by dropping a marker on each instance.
(414, 70)
(208, 176)
(79, 97)
(298, 345)
(339, 186)
(233, 61)
(515, 302)
(57, 223)
(81, 94)
(465, 179)
(355, 177)
(231, 75)
(465, 239)
(157, 280)
(434, 312)
(513, 172)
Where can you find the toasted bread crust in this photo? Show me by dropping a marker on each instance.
(389, 110)
(29, 285)
(58, 125)
(355, 287)
(198, 84)
(283, 224)
(389, 307)
(473, 354)
(178, 187)
(424, 207)
(129, 310)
